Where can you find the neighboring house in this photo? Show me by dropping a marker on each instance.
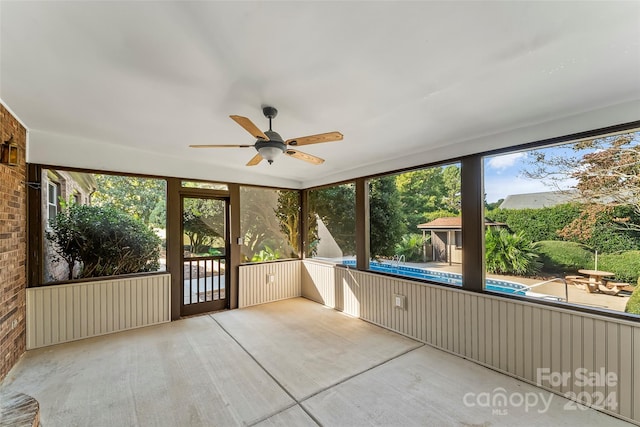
(446, 237)
(545, 199)
(57, 186)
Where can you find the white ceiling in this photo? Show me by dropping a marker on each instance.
(127, 86)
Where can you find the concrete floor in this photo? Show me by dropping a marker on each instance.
(289, 363)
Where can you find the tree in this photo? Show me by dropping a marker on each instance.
(203, 222)
(610, 174)
(66, 237)
(452, 181)
(139, 197)
(606, 171)
(269, 222)
(336, 208)
(288, 213)
(429, 190)
(420, 191)
(385, 220)
(492, 206)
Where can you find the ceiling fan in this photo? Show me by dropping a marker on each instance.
(269, 144)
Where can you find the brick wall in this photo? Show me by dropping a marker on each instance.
(13, 251)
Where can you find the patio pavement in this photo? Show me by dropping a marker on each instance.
(576, 296)
(289, 363)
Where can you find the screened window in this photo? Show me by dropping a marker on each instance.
(100, 225)
(414, 223)
(331, 224)
(205, 185)
(269, 224)
(569, 212)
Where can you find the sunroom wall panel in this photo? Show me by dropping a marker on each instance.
(516, 337)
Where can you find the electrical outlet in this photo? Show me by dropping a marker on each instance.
(271, 278)
(399, 301)
(14, 324)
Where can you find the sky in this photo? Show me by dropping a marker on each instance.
(503, 176)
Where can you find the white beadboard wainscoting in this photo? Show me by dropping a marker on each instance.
(61, 313)
(516, 337)
(255, 286)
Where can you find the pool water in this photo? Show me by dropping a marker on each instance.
(494, 285)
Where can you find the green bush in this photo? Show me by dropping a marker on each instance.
(266, 254)
(563, 257)
(605, 235)
(609, 237)
(625, 265)
(633, 305)
(537, 224)
(508, 253)
(104, 241)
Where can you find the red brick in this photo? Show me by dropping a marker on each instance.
(13, 226)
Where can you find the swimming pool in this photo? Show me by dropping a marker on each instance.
(494, 285)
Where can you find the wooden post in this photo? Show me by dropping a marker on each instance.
(472, 189)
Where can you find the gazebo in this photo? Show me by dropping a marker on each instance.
(446, 237)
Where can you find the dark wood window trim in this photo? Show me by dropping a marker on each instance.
(472, 214)
(34, 226)
(362, 224)
(472, 208)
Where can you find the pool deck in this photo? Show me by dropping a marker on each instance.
(576, 296)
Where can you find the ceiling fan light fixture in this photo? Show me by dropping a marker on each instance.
(269, 153)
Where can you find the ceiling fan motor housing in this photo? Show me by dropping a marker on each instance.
(269, 149)
(275, 144)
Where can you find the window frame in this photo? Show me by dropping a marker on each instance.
(472, 194)
(300, 221)
(472, 207)
(38, 221)
(305, 212)
(51, 184)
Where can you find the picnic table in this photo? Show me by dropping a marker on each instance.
(596, 276)
(595, 283)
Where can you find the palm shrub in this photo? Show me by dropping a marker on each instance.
(510, 253)
(411, 247)
(104, 241)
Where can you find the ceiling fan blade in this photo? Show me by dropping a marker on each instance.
(250, 127)
(255, 160)
(315, 139)
(304, 156)
(220, 146)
